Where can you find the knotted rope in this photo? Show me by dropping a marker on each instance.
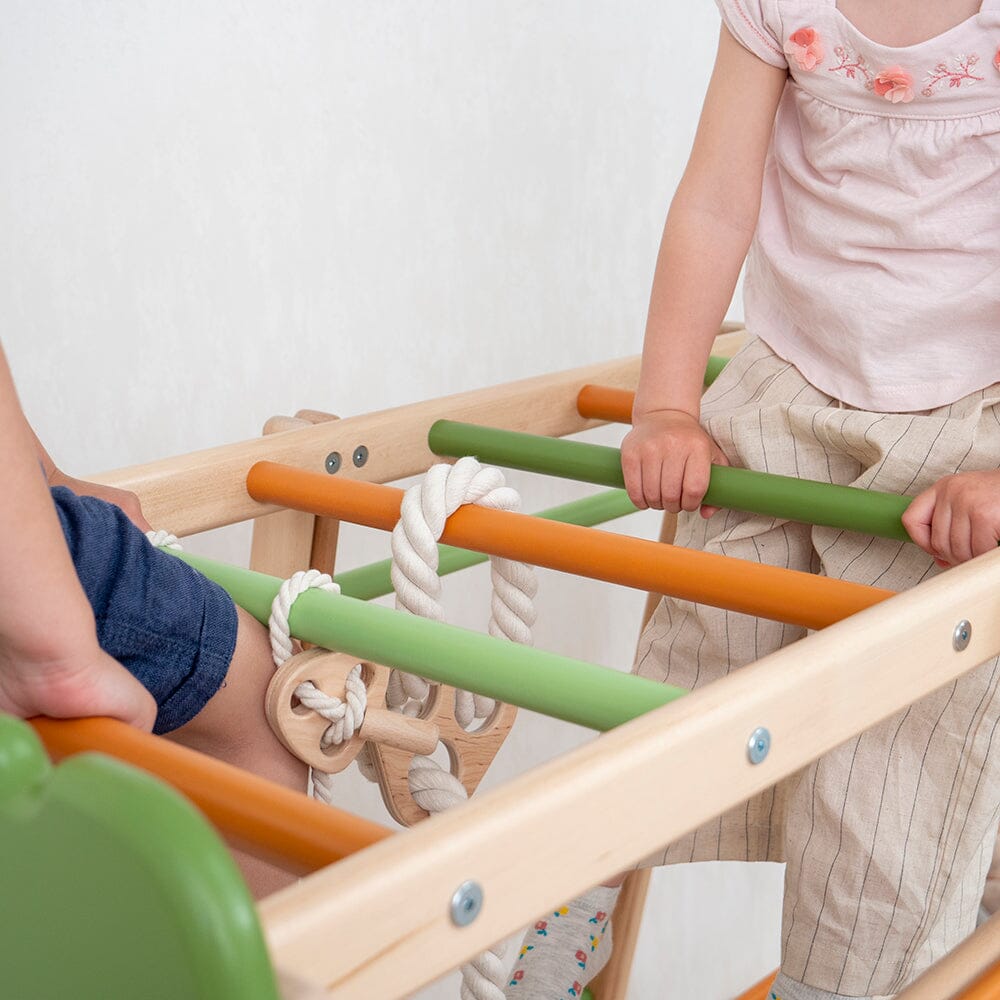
(345, 716)
(424, 511)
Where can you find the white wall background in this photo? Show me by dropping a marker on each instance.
(213, 213)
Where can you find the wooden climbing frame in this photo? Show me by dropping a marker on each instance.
(377, 924)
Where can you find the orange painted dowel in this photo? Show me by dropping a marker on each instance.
(764, 591)
(759, 991)
(985, 987)
(601, 402)
(263, 818)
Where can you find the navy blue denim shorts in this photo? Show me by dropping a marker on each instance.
(171, 627)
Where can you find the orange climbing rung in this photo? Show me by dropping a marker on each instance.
(601, 402)
(985, 987)
(759, 991)
(263, 818)
(764, 591)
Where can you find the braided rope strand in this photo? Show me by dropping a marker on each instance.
(423, 514)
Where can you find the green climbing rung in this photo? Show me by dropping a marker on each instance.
(563, 688)
(784, 497)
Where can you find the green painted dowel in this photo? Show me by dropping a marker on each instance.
(374, 580)
(714, 368)
(783, 497)
(568, 689)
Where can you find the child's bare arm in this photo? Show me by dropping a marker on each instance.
(50, 661)
(958, 517)
(666, 457)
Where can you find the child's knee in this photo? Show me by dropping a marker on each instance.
(233, 720)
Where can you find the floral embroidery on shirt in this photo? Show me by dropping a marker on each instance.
(955, 77)
(851, 65)
(996, 60)
(805, 47)
(894, 84)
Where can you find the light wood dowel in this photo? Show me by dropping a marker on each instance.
(612, 983)
(958, 976)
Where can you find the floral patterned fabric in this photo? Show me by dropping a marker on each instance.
(874, 267)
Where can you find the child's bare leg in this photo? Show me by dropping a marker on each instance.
(233, 727)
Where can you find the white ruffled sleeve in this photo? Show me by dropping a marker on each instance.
(755, 24)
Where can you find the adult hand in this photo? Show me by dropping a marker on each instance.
(89, 682)
(126, 500)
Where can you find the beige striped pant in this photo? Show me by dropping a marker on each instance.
(887, 839)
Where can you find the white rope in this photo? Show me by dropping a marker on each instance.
(164, 540)
(281, 607)
(436, 789)
(482, 976)
(433, 787)
(345, 716)
(424, 511)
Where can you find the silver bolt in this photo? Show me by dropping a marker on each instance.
(360, 456)
(758, 745)
(332, 462)
(466, 902)
(962, 635)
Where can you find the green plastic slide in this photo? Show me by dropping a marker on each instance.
(115, 888)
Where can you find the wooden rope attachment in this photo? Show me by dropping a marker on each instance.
(393, 739)
(283, 651)
(302, 730)
(470, 753)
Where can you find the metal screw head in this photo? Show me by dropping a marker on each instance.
(333, 462)
(360, 455)
(466, 902)
(962, 635)
(758, 745)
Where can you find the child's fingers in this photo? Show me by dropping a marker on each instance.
(632, 474)
(670, 486)
(694, 484)
(941, 531)
(984, 538)
(718, 458)
(917, 519)
(960, 539)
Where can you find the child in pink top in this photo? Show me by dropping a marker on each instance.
(856, 155)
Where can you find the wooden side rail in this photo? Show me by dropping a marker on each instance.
(969, 972)
(205, 489)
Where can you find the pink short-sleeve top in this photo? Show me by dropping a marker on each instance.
(875, 267)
